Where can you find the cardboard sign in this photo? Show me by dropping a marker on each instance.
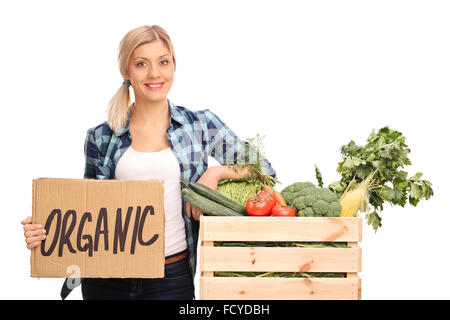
(99, 228)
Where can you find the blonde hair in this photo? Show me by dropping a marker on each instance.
(119, 105)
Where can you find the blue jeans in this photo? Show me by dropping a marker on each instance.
(177, 284)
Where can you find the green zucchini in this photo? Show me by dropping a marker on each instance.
(184, 184)
(208, 207)
(217, 197)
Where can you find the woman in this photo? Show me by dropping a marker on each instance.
(155, 139)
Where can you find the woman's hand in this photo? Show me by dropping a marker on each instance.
(34, 233)
(209, 178)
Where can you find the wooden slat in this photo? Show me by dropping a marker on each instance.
(355, 274)
(203, 258)
(236, 288)
(281, 229)
(273, 259)
(210, 274)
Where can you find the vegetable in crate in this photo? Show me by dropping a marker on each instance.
(310, 201)
(260, 205)
(279, 198)
(383, 156)
(356, 198)
(207, 206)
(216, 196)
(240, 190)
(268, 189)
(282, 211)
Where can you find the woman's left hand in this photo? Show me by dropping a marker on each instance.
(209, 178)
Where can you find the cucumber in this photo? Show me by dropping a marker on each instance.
(217, 197)
(184, 184)
(208, 207)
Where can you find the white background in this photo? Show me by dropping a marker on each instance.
(311, 76)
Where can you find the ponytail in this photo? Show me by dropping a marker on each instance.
(118, 109)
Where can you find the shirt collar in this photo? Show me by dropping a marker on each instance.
(175, 115)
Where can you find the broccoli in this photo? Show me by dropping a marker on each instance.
(310, 201)
(290, 192)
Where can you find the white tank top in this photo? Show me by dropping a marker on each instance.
(160, 165)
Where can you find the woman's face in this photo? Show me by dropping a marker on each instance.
(151, 71)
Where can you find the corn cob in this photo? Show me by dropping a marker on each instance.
(351, 202)
(356, 199)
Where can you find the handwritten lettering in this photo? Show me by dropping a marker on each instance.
(65, 225)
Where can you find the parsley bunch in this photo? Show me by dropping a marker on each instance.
(245, 159)
(385, 154)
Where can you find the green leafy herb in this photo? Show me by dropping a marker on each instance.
(257, 173)
(385, 153)
(318, 177)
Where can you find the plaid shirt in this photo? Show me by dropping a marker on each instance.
(193, 136)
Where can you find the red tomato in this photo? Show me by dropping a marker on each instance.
(260, 205)
(281, 211)
(268, 196)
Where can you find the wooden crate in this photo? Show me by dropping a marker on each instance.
(276, 259)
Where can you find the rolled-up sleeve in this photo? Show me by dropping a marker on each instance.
(227, 148)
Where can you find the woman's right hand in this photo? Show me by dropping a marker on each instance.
(34, 233)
